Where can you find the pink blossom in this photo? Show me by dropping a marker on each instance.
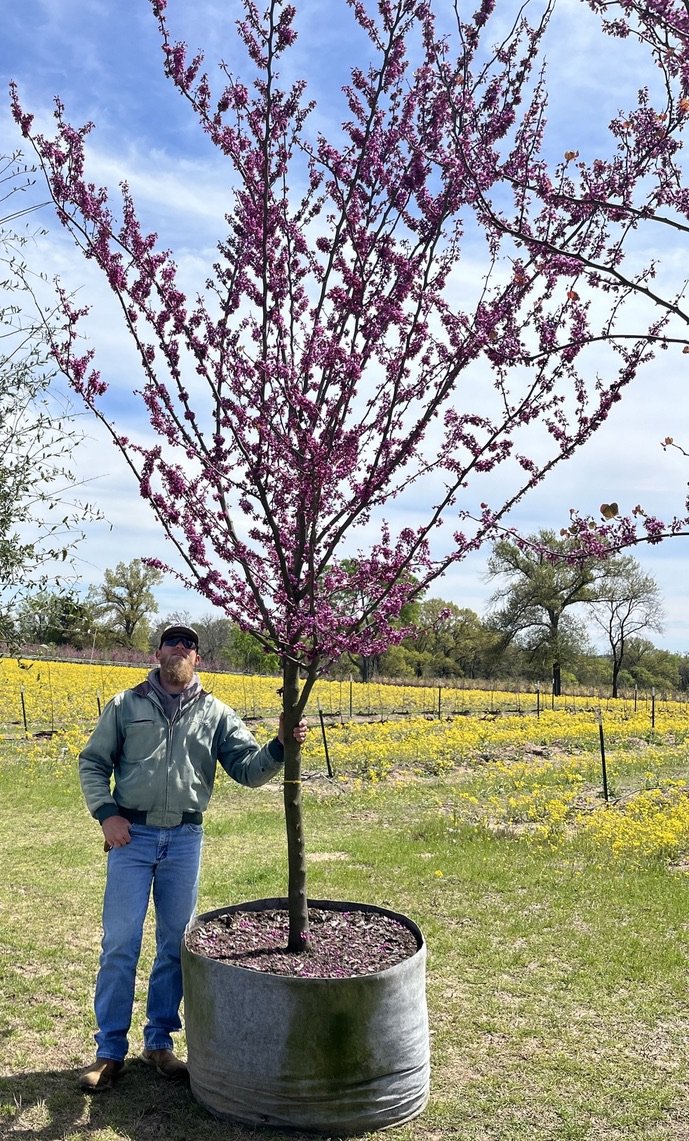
(327, 369)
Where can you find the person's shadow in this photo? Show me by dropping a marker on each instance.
(48, 1105)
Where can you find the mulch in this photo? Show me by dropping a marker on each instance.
(343, 944)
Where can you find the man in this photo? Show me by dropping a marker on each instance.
(161, 741)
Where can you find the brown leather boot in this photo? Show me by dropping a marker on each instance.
(166, 1064)
(101, 1075)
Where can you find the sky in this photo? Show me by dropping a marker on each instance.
(104, 62)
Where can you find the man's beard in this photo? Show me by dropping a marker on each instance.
(177, 671)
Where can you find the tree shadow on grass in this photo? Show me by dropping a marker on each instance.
(143, 1106)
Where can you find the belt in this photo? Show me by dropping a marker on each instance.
(134, 816)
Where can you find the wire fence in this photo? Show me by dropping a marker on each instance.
(44, 697)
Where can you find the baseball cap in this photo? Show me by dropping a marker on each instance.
(179, 632)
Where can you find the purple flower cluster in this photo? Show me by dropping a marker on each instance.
(333, 365)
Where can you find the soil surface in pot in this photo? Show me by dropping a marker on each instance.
(344, 943)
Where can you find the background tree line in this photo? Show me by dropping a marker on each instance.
(538, 627)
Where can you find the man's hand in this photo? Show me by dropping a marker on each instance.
(116, 831)
(300, 731)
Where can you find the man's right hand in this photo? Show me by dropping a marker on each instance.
(116, 831)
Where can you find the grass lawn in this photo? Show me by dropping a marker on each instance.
(557, 977)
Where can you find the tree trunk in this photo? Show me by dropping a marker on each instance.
(366, 666)
(296, 853)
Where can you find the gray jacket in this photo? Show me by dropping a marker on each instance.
(166, 768)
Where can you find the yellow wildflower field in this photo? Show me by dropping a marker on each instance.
(512, 762)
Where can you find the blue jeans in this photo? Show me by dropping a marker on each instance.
(168, 860)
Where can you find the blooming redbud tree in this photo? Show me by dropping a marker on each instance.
(340, 364)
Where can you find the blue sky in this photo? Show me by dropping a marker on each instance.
(104, 61)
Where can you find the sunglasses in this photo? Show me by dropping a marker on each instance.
(188, 643)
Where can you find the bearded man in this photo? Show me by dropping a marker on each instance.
(158, 746)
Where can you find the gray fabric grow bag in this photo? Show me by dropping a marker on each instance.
(328, 1055)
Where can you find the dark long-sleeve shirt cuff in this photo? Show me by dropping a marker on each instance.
(276, 750)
